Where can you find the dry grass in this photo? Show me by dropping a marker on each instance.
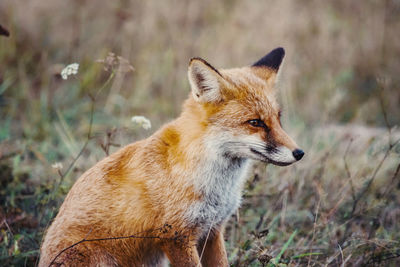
(339, 206)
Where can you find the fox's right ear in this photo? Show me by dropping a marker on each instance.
(272, 60)
(205, 81)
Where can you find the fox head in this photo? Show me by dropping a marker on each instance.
(238, 109)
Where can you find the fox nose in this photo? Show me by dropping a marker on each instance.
(298, 154)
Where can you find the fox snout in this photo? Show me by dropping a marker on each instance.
(283, 156)
(283, 149)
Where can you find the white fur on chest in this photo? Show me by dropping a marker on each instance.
(219, 180)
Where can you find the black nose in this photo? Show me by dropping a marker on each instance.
(298, 154)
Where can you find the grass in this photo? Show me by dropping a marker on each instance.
(339, 206)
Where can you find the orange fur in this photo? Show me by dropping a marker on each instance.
(150, 188)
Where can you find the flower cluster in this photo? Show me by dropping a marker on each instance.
(142, 122)
(71, 69)
(113, 62)
(57, 166)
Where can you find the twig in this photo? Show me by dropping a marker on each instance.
(314, 227)
(341, 253)
(109, 141)
(89, 134)
(137, 235)
(383, 257)
(347, 169)
(370, 181)
(89, 137)
(205, 242)
(396, 173)
(8, 227)
(382, 104)
(391, 145)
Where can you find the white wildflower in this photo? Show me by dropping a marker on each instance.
(71, 69)
(57, 166)
(142, 122)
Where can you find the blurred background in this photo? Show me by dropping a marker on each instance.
(339, 206)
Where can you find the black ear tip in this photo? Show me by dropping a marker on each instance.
(4, 31)
(272, 60)
(279, 50)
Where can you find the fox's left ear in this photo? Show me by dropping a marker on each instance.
(205, 81)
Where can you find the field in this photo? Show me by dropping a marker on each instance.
(338, 206)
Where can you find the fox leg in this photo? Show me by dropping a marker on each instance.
(214, 253)
(181, 254)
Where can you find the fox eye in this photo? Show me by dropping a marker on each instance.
(257, 123)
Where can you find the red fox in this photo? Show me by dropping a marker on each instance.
(166, 198)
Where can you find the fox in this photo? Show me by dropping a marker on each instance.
(166, 199)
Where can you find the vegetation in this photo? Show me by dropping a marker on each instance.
(339, 206)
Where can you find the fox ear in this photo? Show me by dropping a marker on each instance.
(205, 81)
(272, 60)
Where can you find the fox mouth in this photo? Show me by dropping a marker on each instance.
(268, 160)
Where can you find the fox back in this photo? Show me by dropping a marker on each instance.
(168, 196)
